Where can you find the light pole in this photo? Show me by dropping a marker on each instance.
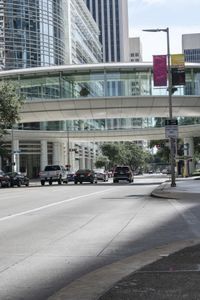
(172, 141)
(68, 149)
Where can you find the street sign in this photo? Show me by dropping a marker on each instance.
(171, 122)
(171, 128)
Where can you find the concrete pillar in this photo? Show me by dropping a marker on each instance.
(73, 157)
(82, 157)
(16, 155)
(189, 152)
(56, 153)
(43, 154)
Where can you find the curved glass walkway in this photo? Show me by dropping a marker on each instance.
(96, 80)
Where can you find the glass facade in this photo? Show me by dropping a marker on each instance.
(192, 55)
(96, 82)
(83, 35)
(107, 15)
(33, 33)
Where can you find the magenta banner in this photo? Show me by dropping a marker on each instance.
(160, 70)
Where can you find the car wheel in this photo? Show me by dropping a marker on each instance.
(19, 183)
(42, 182)
(9, 184)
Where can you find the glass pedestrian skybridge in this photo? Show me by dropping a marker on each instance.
(96, 80)
(100, 91)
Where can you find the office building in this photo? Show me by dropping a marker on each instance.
(46, 33)
(135, 49)
(191, 51)
(191, 47)
(42, 33)
(112, 19)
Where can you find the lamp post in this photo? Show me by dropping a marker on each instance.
(172, 141)
(68, 149)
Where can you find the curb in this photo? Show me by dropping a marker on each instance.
(95, 284)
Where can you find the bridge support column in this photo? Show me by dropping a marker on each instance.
(58, 154)
(188, 152)
(43, 155)
(73, 157)
(16, 155)
(82, 158)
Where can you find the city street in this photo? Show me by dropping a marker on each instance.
(52, 235)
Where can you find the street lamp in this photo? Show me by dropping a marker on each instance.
(172, 142)
(68, 149)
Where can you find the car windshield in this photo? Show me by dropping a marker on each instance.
(122, 169)
(83, 171)
(52, 168)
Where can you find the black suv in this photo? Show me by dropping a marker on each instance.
(85, 175)
(16, 178)
(4, 179)
(122, 173)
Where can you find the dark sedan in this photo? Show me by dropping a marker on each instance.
(85, 175)
(17, 178)
(4, 179)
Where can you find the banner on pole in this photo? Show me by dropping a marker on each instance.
(160, 70)
(178, 69)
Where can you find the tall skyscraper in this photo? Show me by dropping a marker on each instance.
(33, 33)
(135, 48)
(47, 32)
(191, 47)
(112, 19)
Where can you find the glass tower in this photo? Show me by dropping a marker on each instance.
(112, 19)
(33, 33)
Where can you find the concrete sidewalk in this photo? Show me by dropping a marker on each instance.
(174, 276)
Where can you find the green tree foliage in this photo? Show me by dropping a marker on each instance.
(10, 104)
(102, 162)
(126, 153)
(112, 151)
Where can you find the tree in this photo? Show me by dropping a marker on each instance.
(126, 153)
(10, 104)
(112, 151)
(102, 161)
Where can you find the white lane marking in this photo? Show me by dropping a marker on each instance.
(51, 205)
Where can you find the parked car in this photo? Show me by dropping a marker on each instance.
(85, 175)
(122, 173)
(101, 174)
(4, 179)
(17, 178)
(53, 173)
(196, 172)
(70, 176)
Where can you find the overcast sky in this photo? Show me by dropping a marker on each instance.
(181, 16)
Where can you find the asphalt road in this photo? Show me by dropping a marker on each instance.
(52, 235)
